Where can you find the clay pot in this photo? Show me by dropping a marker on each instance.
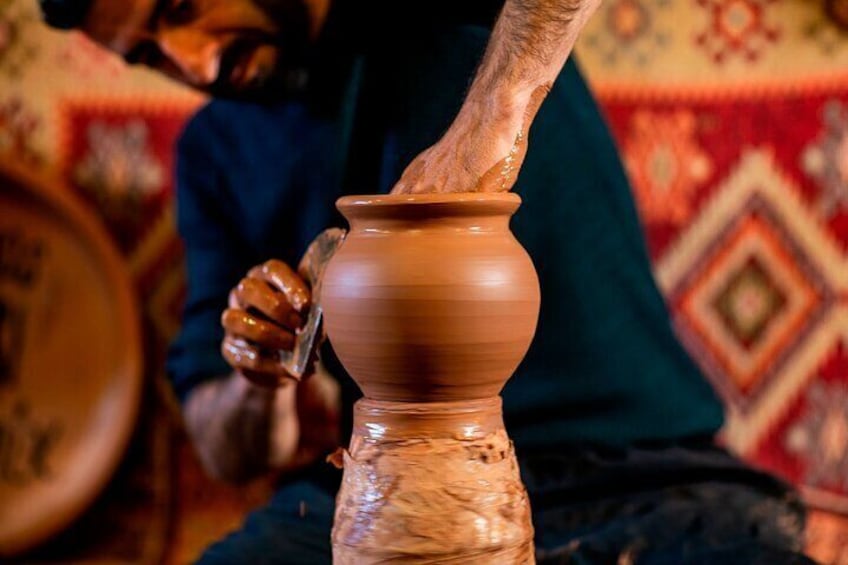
(430, 304)
(430, 298)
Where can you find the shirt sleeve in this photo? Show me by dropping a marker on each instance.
(207, 221)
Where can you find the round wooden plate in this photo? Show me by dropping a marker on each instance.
(70, 359)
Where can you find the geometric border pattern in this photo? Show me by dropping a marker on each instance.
(758, 176)
(771, 445)
(741, 372)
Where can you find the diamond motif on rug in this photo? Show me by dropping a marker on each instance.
(748, 302)
(737, 28)
(821, 434)
(756, 227)
(119, 157)
(808, 443)
(665, 164)
(630, 31)
(825, 161)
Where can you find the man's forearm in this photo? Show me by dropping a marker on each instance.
(240, 430)
(529, 46)
(485, 146)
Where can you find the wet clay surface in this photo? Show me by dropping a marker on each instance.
(502, 176)
(431, 483)
(430, 298)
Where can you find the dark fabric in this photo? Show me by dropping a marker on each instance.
(679, 504)
(256, 182)
(293, 529)
(687, 502)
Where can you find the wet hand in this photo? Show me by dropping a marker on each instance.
(266, 309)
(482, 151)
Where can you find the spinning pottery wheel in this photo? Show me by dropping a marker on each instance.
(430, 304)
(70, 359)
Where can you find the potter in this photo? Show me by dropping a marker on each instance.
(448, 97)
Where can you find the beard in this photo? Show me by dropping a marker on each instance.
(288, 76)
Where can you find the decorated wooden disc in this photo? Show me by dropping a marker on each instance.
(70, 359)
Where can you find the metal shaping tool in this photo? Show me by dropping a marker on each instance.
(312, 267)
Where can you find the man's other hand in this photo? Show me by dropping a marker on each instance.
(266, 309)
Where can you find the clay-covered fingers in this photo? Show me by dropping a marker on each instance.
(257, 297)
(260, 366)
(283, 278)
(268, 306)
(266, 309)
(265, 334)
(411, 180)
(275, 292)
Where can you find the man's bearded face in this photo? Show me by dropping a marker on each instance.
(249, 49)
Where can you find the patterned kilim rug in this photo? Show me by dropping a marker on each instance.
(732, 117)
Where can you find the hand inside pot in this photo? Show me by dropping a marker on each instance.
(483, 149)
(266, 309)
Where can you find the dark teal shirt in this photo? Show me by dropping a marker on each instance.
(256, 182)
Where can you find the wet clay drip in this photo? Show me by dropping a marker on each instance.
(431, 483)
(502, 176)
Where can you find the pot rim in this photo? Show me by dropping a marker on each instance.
(425, 198)
(438, 204)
